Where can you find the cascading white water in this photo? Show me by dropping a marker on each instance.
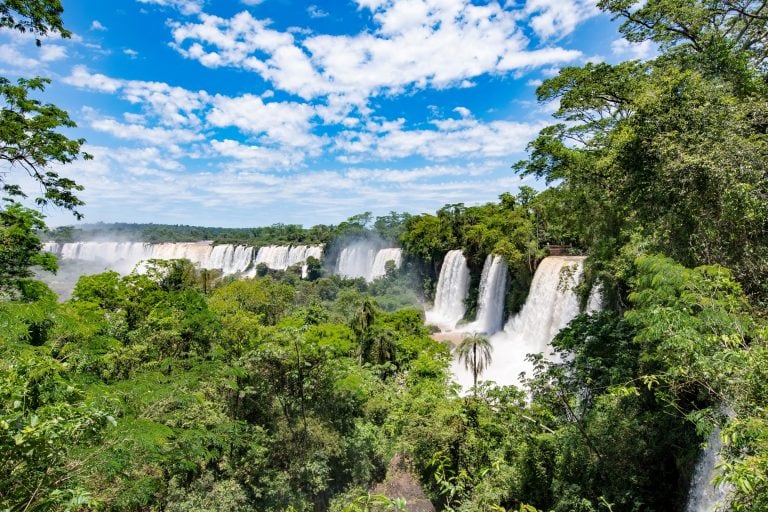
(273, 256)
(379, 267)
(596, 299)
(123, 257)
(451, 293)
(362, 260)
(550, 305)
(313, 251)
(490, 298)
(355, 261)
(704, 496)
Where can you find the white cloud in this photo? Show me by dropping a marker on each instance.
(417, 44)
(251, 2)
(134, 118)
(316, 12)
(554, 19)
(452, 138)
(256, 156)
(96, 25)
(412, 175)
(156, 136)
(81, 77)
(130, 53)
(634, 51)
(286, 123)
(9, 54)
(183, 6)
(173, 105)
(52, 52)
(463, 111)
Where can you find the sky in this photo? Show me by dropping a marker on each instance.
(254, 112)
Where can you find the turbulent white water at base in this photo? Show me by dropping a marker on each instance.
(550, 305)
(452, 291)
(704, 496)
(490, 297)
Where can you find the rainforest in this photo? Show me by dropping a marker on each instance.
(599, 343)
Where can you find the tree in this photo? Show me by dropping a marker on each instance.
(475, 352)
(362, 322)
(20, 247)
(43, 420)
(670, 152)
(314, 269)
(34, 16)
(29, 139)
(29, 136)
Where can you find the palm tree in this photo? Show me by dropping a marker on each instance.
(475, 352)
(362, 322)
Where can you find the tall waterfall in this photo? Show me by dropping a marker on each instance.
(704, 496)
(452, 291)
(490, 298)
(551, 304)
(230, 259)
(362, 260)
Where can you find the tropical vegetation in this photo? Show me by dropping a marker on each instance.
(174, 390)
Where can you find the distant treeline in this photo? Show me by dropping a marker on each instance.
(388, 227)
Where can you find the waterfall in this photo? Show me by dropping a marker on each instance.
(704, 496)
(273, 256)
(355, 261)
(550, 305)
(452, 291)
(378, 269)
(596, 299)
(123, 257)
(362, 260)
(490, 298)
(314, 251)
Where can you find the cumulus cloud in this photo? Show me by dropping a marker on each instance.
(287, 123)
(173, 105)
(24, 57)
(316, 12)
(9, 54)
(554, 19)
(251, 156)
(635, 51)
(183, 6)
(450, 139)
(96, 25)
(149, 135)
(416, 44)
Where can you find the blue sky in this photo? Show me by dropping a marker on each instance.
(252, 112)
